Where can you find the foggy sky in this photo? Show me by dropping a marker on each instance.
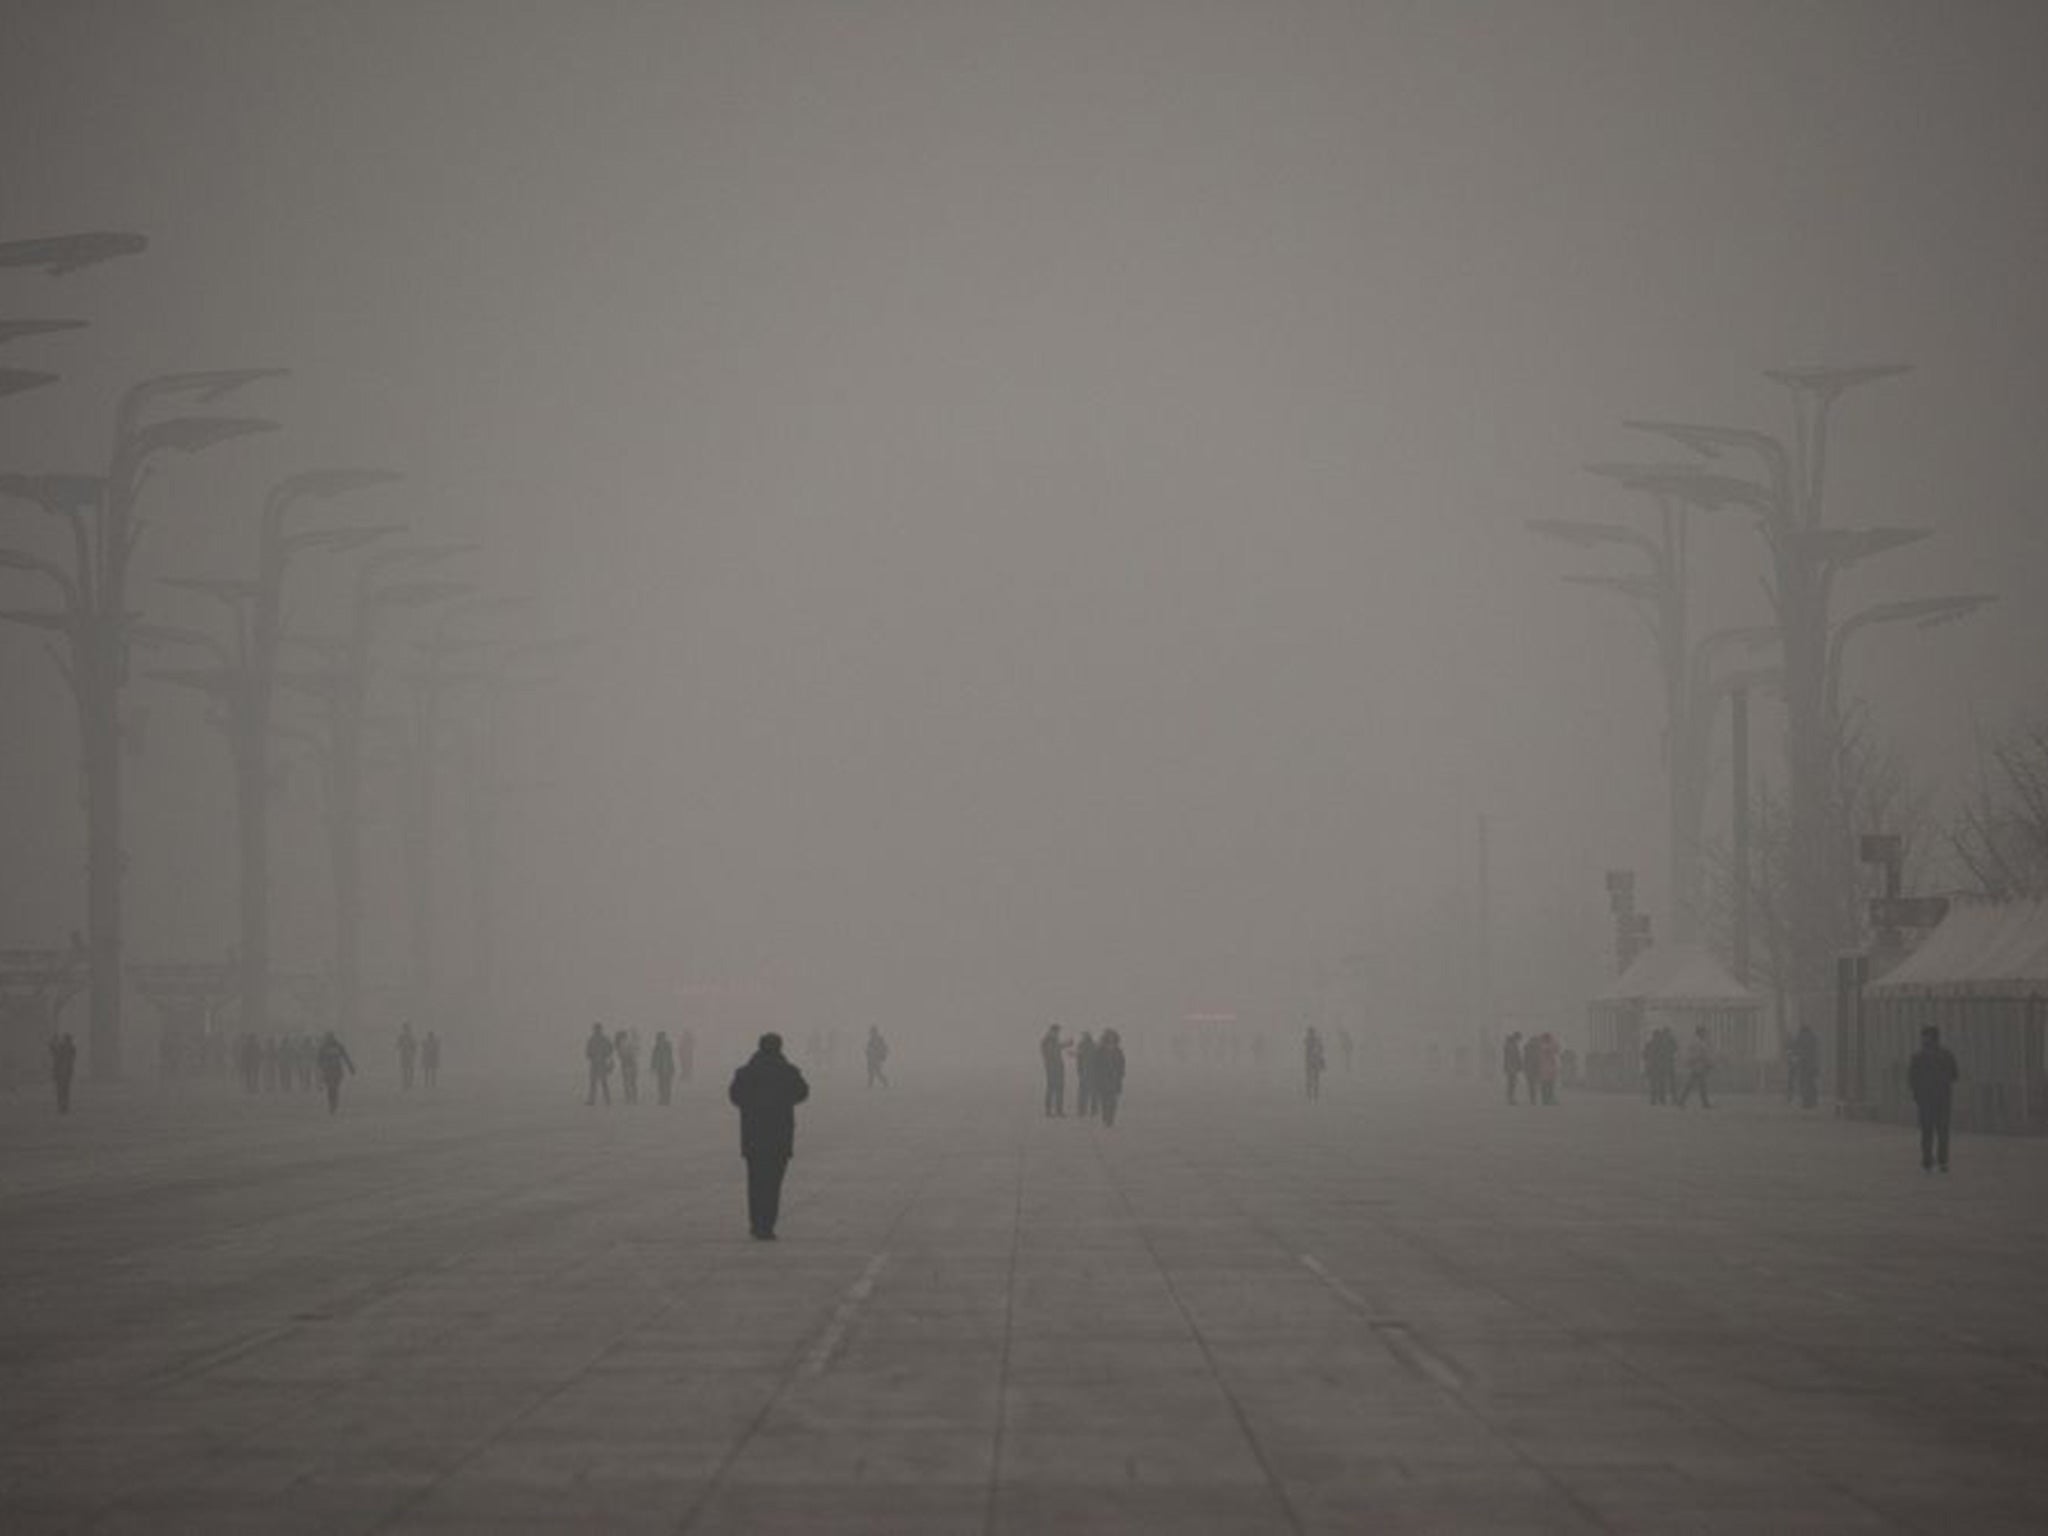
(1043, 483)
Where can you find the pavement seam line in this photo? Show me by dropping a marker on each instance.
(1230, 1399)
(821, 1353)
(995, 1452)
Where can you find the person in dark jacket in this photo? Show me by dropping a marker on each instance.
(1511, 1061)
(1932, 1077)
(766, 1091)
(661, 1061)
(334, 1059)
(1052, 1052)
(63, 1064)
(1108, 1075)
(1084, 1075)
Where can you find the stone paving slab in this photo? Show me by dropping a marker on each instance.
(1388, 1311)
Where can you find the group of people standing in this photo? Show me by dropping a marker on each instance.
(1535, 1061)
(1661, 1063)
(281, 1063)
(1098, 1074)
(668, 1060)
(418, 1058)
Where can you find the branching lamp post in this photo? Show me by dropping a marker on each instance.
(96, 629)
(244, 683)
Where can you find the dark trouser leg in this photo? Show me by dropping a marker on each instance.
(63, 1095)
(333, 1095)
(1941, 1115)
(1511, 1087)
(1927, 1113)
(764, 1192)
(1108, 1103)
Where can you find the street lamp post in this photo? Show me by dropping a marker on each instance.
(347, 692)
(98, 630)
(245, 683)
(1806, 556)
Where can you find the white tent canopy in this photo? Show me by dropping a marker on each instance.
(1981, 949)
(1678, 976)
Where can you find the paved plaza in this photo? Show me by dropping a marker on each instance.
(1394, 1310)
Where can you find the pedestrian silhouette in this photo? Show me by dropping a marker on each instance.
(766, 1091)
(1051, 1052)
(628, 1051)
(661, 1061)
(1660, 1064)
(63, 1064)
(1699, 1064)
(1084, 1075)
(597, 1051)
(1802, 1060)
(334, 1058)
(1511, 1060)
(1932, 1077)
(1108, 1073)
(878, 1053)
(1312, 1061)
(430, 1058)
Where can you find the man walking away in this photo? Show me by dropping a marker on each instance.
(628, 1052)
(1699, 1063)
(1511, 1060)
(878, 1052)
(1312, 1061)
(597, 1050)
(63, 1066)
(766, 1091)
(1108, 1075)
(661, 1061)
(1546, 1066)
(1804, 1061)
(1084, 1075)
(334, 1058)
(1932, 1077)
(1660, 1064)
(430, 1058)
(1052, 1052)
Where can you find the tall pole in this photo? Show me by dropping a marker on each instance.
(1483, 942)
(1739, 830)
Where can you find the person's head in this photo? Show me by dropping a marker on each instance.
(771, 1044)
(597, 1029)
(1930, 1035)
(1052, 1029)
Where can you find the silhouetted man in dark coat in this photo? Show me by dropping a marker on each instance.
(63, 1064)
(1932, 1077)
(767, 1091)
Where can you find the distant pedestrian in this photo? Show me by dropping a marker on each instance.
(627, 1049)
(408, 1055)
(1532, 1066)
(430, 1058)
(1511, 1061)
(1347, 1047)
(1109, 1075)
(1312, 1061)
(877, 1054)
(1568, 1066)
(766, 1091)
(1931, 1075)
(597, 1051)
(1802, 1067)
(661, 1061)
(1052, 1054)
(1546, 1066)
(1084, 1076)
(1660, 1064)
(334, 1059)
(63, 1065)
(1699, 1065)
